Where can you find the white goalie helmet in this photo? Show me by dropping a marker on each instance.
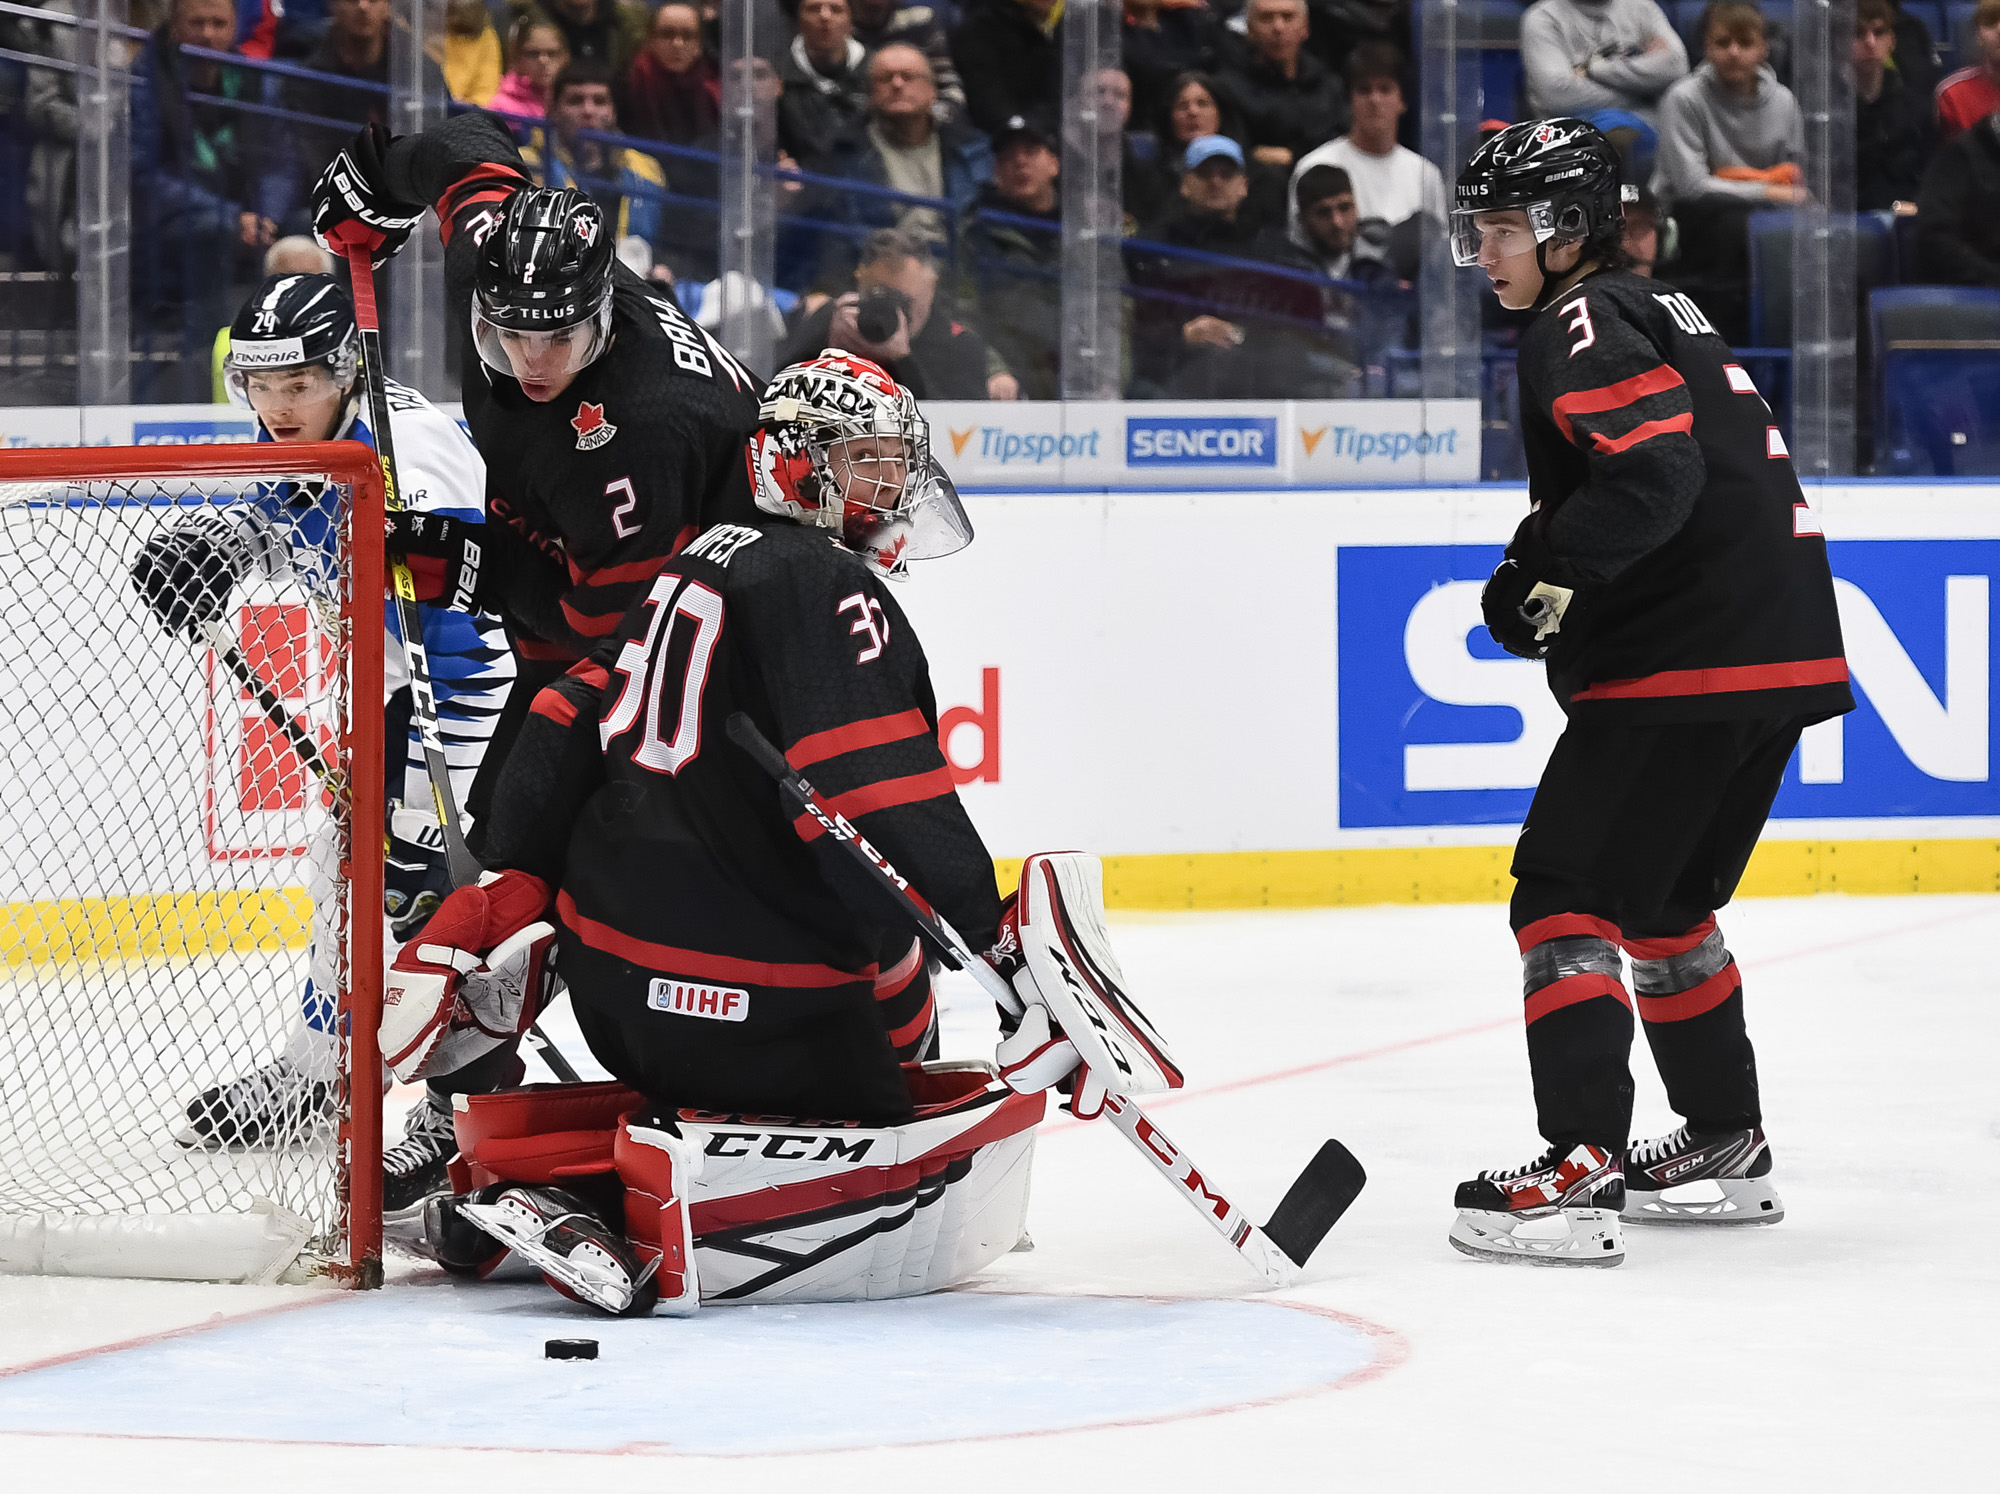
(843, 447)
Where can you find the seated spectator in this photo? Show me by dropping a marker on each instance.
(907, 148)
(877, 23)
(1161, 42)
(625, 183)
(1392, 183)
(673, 91)
(1359, 325)
(472, 69)
(1892, 128)
(1972, 93)
(1287, 99)
(536, 52)
(1731, 140)
(1138, 181)
(1009, 52)
(1012, 271)
(1325, 233)
(928, 353)
(202, 201)
(824, 109)
(607, 31)
(1213, 331)
(356, 45)
(1584, 56)
(1958, 231)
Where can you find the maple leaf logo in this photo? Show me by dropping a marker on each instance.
(592, 429)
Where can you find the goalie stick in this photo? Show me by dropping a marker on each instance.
(1310, 1207)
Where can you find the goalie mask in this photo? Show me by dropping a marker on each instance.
(1562, 173)
(843, 447)
(299, 325)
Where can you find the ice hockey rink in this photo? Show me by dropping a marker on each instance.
(1851, 1346)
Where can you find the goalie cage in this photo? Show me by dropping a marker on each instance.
(166, 860)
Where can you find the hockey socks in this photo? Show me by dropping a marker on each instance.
(1579, 1020)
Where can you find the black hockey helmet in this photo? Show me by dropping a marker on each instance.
(1562, 172)
(544, 277)
(293, 321)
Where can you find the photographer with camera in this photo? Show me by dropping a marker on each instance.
(888, 319)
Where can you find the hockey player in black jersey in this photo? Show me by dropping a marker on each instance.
(1674, 578)
(725, 964)
(611, 425)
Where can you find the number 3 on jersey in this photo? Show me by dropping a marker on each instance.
(670, 652)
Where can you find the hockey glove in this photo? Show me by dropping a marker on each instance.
(444, 555)
(472, 979)
(185, 575)
(1526, 596)
(1034, 1054)
(351, 207)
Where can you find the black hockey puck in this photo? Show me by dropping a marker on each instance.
(570, 1348)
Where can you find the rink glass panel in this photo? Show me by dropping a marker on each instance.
(171, 871)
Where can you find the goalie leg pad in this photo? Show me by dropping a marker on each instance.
(656, 1165)
(537, 1134)
(1067, 954)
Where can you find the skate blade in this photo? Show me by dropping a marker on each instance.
(610, 1296)
(1560, 1237)
(1726, 1202)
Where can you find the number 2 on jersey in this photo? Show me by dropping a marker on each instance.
(646, 664)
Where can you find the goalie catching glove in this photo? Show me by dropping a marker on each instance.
(1076, 1022)
(473, 979)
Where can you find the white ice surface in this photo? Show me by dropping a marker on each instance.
(1850, 1347)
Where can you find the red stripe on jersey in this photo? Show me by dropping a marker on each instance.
(544, 652)
(896, 979)
(1666, 949)
(876, 730)
(695, 965)
(1613, 396)
(685, 538)
(1721, 681)
(884, 795)
(612, 575)
(1565, 926)
(594, 675)
(591, 627)
(553, 704)
(910, 1031)
(1705, 997)
(1571, 990)
(489, 181)
(1683, 422)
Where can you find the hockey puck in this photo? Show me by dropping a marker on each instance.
(570, 1348)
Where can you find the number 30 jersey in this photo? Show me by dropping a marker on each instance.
(672, 850)
(1662, 482)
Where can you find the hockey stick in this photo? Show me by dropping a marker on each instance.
(1310, 1207)
(458, 856)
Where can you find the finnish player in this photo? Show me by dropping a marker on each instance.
(1673, 577)
(294, 360)
(723, 961)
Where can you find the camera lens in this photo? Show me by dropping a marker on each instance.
(877, 315)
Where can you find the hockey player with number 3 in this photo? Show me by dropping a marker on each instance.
(725, 961)
(1674, 579)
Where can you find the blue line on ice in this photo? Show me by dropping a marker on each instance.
(439, 1365)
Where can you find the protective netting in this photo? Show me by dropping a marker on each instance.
(174, 924)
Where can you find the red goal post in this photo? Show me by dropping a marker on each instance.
(156, 824)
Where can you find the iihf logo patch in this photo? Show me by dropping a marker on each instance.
(592, 429)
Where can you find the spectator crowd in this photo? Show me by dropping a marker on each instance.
(1273, 204)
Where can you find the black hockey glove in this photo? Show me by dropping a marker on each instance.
(185, 577)
(446, 557)
(351, 207)
(1526, 596)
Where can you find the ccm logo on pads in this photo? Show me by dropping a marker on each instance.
(718, 1003)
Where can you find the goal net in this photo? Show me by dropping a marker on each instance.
(190, 867)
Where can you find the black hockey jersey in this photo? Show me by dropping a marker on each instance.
(641, 453)
(672, 851)
(1665, 490)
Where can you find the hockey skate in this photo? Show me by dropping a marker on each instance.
(1559, 1210)
(581, 1255)
(414, 1168)
(271, 1108)
(1722, 1177)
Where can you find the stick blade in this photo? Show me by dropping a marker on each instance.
(1314, 1204)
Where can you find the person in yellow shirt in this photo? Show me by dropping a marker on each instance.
(471, 52)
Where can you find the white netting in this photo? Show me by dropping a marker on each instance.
(170, 876)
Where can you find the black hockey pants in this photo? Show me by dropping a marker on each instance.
(1637, 834)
